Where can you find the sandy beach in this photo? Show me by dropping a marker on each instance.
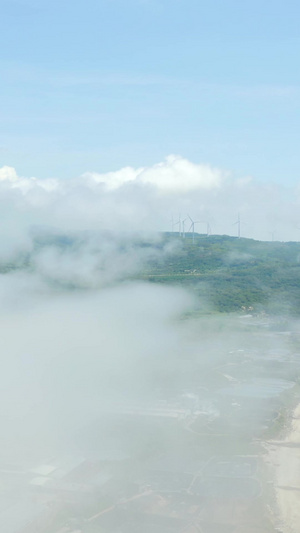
(284, 457)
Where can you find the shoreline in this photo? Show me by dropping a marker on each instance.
(284, 459)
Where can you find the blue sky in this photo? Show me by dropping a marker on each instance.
(98, 85)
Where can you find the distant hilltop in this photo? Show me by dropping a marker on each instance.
(232, 274)
(226, 274)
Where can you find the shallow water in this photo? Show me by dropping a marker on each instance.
(258, 388)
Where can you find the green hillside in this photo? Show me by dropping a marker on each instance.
(230, 273)
(227, 274)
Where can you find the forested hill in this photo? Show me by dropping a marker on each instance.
(231, 274)
(226, 273)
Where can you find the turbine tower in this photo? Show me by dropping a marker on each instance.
(183, 228)
(179, 225)
(272, 233)
(192, 226)
(238, 223)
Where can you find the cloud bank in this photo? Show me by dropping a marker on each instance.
(145, 200)
(174, 175)
(68, 357)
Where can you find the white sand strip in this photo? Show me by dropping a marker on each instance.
(285, 459)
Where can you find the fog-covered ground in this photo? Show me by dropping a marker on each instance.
(122, 408)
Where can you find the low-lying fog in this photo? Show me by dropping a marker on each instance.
(67, 357)
(128, 406)
(105, 376)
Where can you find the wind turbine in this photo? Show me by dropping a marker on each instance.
(183, 229)
(179, 225)
(238, 223)
(175, 224)
(192, 226)
(272, 233)
(208, 227)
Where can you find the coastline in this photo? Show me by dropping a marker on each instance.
(284, 459)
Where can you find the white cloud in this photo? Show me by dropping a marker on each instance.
(175, 174)
(8, 174)
(113, 180)
(144, 199)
